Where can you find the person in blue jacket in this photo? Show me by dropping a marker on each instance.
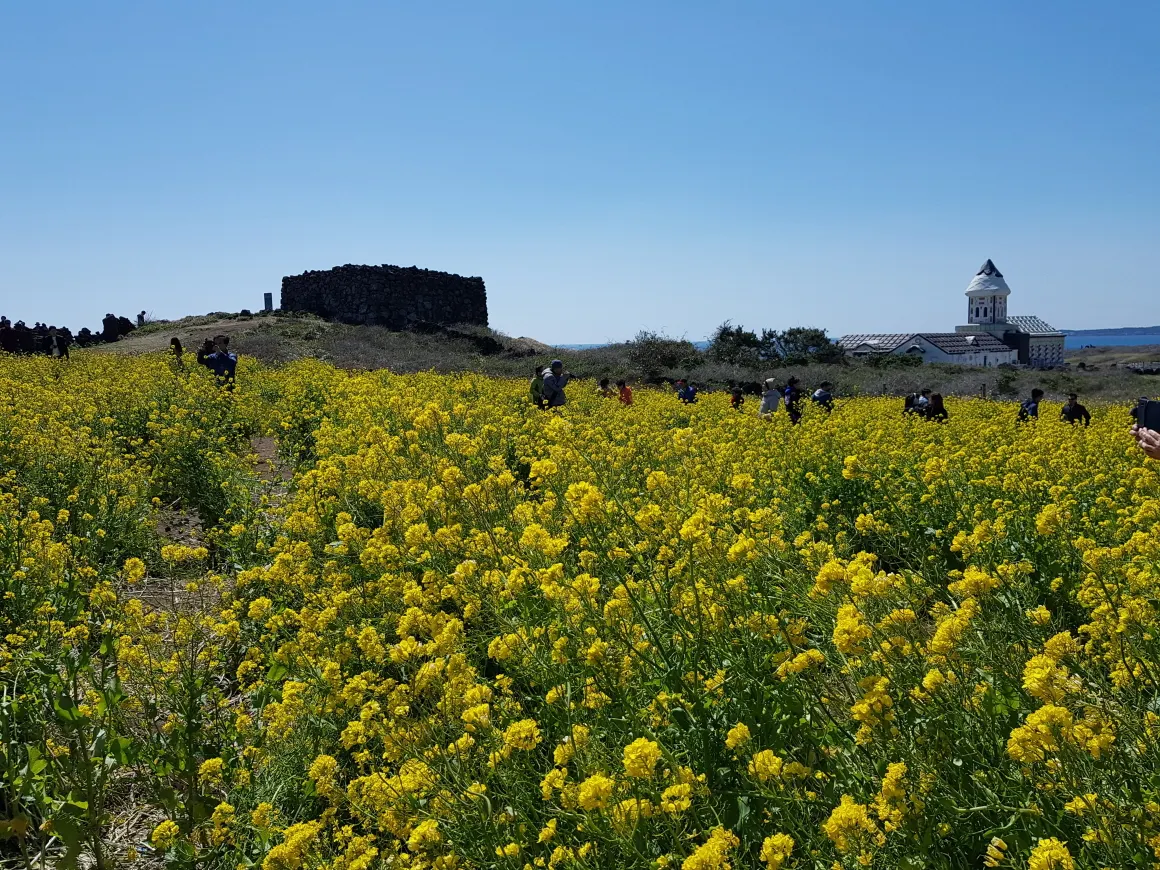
(686, 392)
(215, 355)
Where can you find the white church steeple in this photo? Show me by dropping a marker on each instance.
(987, 296)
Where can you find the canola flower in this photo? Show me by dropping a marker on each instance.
(468, 634)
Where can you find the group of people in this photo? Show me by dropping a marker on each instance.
(927, 405)
(38, 339)
(773, 395)
(214, 354)
(546, 391)
(791, 394)
(41, 338)
(1072, 412)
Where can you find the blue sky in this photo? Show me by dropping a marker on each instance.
(605, 167)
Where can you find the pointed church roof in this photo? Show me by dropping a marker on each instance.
(988, 281)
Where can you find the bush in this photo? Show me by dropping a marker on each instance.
(653, 352)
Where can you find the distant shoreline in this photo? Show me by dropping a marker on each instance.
(1120, 330)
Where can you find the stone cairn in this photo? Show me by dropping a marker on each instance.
(397, 297)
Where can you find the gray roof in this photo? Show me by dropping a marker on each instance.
(947, 342)
(1032, 325)
(964, 342)
(881, 341)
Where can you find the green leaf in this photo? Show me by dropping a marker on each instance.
(66, 709)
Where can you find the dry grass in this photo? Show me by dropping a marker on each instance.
(282, 338)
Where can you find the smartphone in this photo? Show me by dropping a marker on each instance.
(1148, 415)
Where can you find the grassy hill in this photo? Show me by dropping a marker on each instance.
(279, 338)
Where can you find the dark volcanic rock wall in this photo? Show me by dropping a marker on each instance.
(397, 297)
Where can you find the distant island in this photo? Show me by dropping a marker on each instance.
(1121, 330)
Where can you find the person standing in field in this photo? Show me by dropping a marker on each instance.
(604, 390)
(1073, 412)
(536, 389)
(793, 400)
(177, 351)
(736, 398)
(1029, 409)
(937, 410)
(770, 398)
(625, 393)
(555, 379)
(57, 344)
(823, 398)
(686, 392)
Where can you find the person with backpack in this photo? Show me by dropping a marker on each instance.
(1029, 408)
(555, 379)
(536, 389)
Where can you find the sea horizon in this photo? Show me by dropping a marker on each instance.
(1070, 342)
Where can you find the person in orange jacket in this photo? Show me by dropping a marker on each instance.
(625, 393)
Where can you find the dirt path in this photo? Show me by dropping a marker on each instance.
(270, 468)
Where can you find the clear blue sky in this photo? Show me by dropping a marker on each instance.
(605, 167)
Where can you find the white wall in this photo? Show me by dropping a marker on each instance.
(979, 358)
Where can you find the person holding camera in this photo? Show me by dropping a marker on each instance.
(1146, 429)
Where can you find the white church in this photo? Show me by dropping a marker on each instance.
(989, 338)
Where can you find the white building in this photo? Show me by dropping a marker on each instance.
(982, 349)
(1038, 342)
(989, 338)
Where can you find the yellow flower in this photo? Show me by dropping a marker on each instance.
(425, 836)
(524, 735)
(1050, 854)
(737, 735)
(595, 792)
(641, 757)
(211, 770)
(775, 850)
(713, 853)
(765, 765)
(165, 834)
(850, 827)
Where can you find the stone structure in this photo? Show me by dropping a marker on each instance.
(397, 297)
(989, 338)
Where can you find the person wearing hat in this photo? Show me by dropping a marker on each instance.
(793, 399)
(1073, 412)
(770, 398)
(555, 379)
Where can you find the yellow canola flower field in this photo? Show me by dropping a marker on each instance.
(468, 634)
